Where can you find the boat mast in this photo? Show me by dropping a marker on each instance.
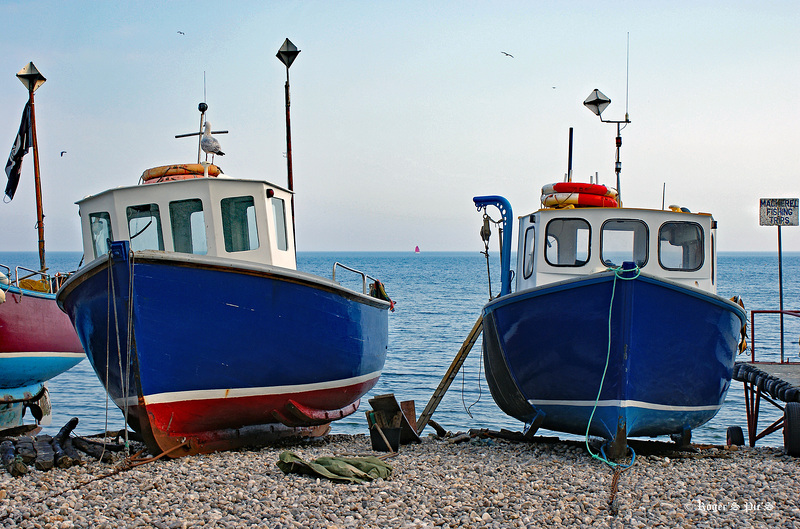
(287, 54)
(32, 79)
(597, 102)
(202, 107)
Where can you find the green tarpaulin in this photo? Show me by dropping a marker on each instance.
(343, 469)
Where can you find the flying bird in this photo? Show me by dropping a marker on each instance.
(63, 153)
(209, 144)
(181, 33)
(507, 54)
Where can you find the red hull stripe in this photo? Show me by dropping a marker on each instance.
(197, 416)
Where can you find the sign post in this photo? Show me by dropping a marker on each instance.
(779, 212)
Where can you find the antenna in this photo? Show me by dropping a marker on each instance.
(627, 72)
(569, 158)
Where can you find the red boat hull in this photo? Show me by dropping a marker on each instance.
(32, 322)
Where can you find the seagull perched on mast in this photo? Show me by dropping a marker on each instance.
(209, 144)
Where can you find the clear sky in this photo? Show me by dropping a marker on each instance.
(403, 111)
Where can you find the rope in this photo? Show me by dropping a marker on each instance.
(618, 468)
(129, 345)
(463, 388)
(601, 457)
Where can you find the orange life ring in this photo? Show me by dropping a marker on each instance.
(178, 172)
(578, 199)
(579, 187)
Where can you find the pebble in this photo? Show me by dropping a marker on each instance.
(434, 484)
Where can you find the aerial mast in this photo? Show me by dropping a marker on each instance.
(597, 102)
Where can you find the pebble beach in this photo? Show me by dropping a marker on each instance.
(438, 483)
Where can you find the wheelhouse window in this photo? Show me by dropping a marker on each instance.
(680, 246)
(239, 224)
(623, 240)
(188, 226)
(100, 226)
(567, 242)
(144, 227)
(528, 259)
(279, 210)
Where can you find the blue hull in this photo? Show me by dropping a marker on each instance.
(670, 357)
(218, 347)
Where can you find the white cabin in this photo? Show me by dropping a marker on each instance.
(559, 244)
(247, 220)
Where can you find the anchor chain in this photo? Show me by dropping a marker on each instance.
(613, 504)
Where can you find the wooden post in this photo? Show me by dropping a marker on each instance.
(37, 184)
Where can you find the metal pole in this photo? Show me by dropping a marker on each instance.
(289, 150)
(569, 158)
(37, 184)
(200, 136)
(780, 283)
(618, 166)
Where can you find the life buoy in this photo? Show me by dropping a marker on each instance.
(579, 187)
(178, 172)
(578, 199)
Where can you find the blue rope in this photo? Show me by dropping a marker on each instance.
(602, 456)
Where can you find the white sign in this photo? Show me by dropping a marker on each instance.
(779, 212)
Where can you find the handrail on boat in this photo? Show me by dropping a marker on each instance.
(363, 275)
(43, 277)
(795, 313)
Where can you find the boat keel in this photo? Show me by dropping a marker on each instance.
(617, 447)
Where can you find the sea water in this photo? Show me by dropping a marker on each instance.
(438, 298)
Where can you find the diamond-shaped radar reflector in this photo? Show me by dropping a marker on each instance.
(287, 53)
(597, 101)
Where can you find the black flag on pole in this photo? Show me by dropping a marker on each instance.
(22, 143)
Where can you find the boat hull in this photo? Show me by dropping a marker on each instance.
(666, 369)
(37, 343)
(224, 353)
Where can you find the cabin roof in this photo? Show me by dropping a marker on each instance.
(153, 187)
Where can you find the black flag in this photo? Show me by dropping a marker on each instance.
(22, 143)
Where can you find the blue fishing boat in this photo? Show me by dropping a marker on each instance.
(614, 318)
(198, 323)
(614, 328)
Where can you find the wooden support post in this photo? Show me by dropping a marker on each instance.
(450, 375)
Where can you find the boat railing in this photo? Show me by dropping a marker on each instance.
(21, 273)
(794, 313)
(363, 275)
